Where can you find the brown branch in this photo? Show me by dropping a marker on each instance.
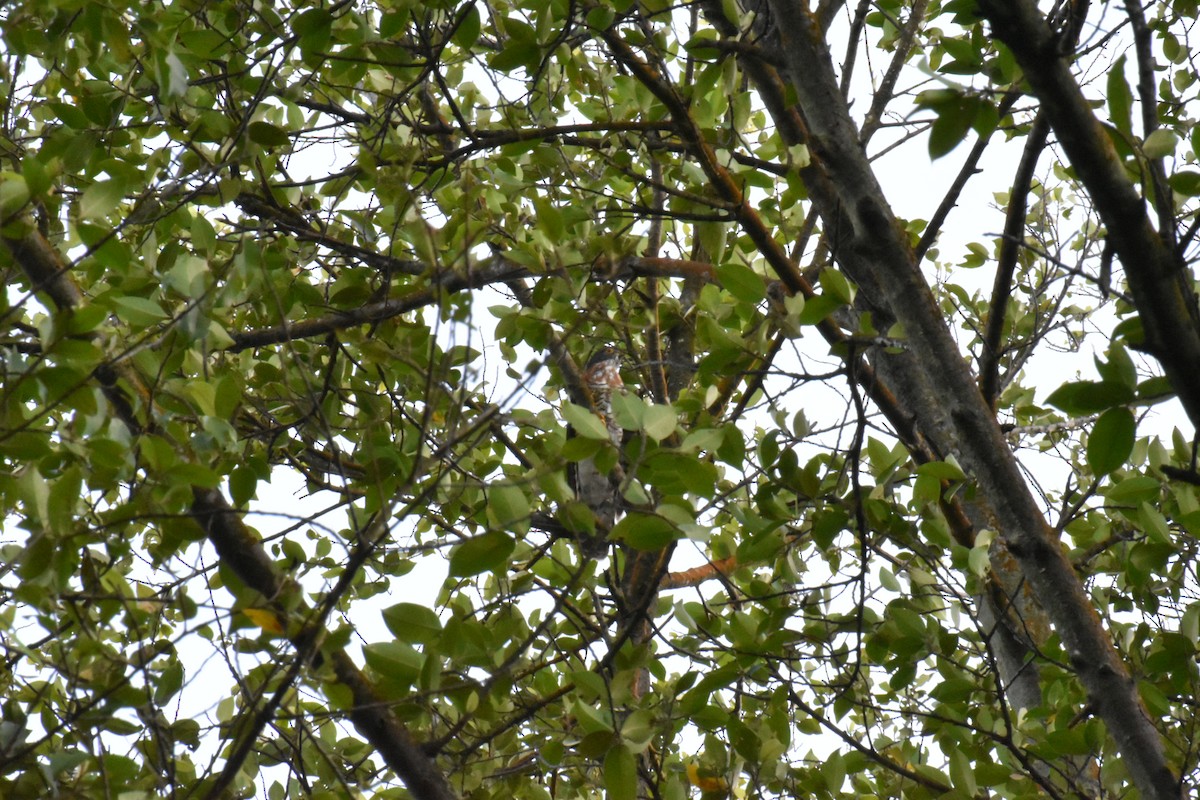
(495, 270)
(1143, 48)
(484, 139)
(857, 23)
(48, 271)
(300, 227)
(1160, 281)
(793, 130)
(1006, 263)
(654, 241)
(698, 575)
(670, 268)
(1183, 475)
(884, 94)
(243, 552)
(969, 168)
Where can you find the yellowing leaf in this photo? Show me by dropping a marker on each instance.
(265, 619)
(706, 780)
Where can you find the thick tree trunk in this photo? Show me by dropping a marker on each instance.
(933, 383)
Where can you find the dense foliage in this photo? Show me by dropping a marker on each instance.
(907, 478)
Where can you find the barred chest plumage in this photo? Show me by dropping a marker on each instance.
(603, 377)
(600, 490)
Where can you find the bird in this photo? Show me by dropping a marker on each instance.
(603, 377)
(597, 489)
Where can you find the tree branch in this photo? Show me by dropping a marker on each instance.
(1163, 203)
(494, 270)
(1160, 281)
(1006, 263)
(945, 399)
(243, 552)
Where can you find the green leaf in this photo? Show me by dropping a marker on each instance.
(1111, 440)
(1160, 143)
(481, 553)
(818, 308)
(1119, 367)
(171, 76)
(1120, 97)
(69, 115)
(507, 505)
(956, 113)
(469, 29)
(600, 18)
(169, 683)
(887, 579)
(962, 777)
(1186, 182)
(517, 54)
(708, 439)
(833, 770)
(399, 662)
(268, 135)
(835, 284)
(674, 472)
(203, 43)
(14, 194)
(645, 531)
(638, 730)
(65, 492)
(139, 312)
(742, 282)
(659, 421)
(979, 559)
(577, 449)
(591, 719)
(100, 199)
(620, 774)
(1135, 490)
(411, 622)
(549, 219)
(312, 21)
(1154, 524)
(36, 557)
(1088, 397)
(711, 236)
(942, 470)
(585, 422)
(827, 524)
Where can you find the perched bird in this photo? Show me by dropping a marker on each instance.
(597, 489)
(603, 377)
